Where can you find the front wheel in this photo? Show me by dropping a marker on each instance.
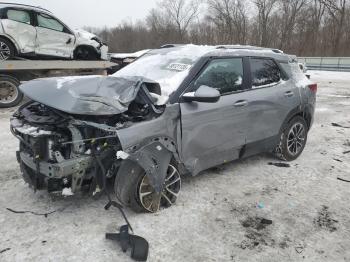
(86, 53)
(133, 188)
(293, 139)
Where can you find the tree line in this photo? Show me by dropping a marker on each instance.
(301, 27)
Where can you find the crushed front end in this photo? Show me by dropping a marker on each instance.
(66, 153)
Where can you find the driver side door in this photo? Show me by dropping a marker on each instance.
(53, 37)
(214, 133)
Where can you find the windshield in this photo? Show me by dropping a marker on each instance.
(168, 66)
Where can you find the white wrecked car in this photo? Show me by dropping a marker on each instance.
(32, 31)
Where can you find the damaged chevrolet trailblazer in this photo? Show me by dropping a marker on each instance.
(174, 111)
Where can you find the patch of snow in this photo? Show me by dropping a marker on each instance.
(67, 191)
(122, 155)
(155, 66)
(127, 55)
(68, 80)
(161, 100)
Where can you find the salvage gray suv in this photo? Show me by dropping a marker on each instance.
(174, 111)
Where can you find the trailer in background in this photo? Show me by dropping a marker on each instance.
(13, 72)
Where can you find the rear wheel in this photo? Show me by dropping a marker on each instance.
(7, 50)
(293, 139)
(133, 188)
(10, 95)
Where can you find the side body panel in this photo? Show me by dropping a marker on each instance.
(24, 34)
(54, 43)
(212, 133)
(268, 108)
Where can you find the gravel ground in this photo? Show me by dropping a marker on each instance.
(220, 215)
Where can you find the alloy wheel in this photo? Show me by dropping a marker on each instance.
(153, 201)
(8, 92)
(296, 139)
(5, 51)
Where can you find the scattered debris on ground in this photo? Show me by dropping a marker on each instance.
(325, 221)
(342, 179)
(338, 125)
(4, 250)
(278, 164)
(31, 212)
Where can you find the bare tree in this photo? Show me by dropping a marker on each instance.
(231, 20)
(265, 8)
(337, 10)
(290, 11)
(181, 13)
(301, 27)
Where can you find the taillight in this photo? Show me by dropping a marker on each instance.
(313, 88)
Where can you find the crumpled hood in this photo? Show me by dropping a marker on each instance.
(84, 95)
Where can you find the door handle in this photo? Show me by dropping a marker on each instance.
(289, 94)
(241, 103)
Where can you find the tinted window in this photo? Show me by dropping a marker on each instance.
(49, 22)
(19, 16)
(226, 75)
(264, 72)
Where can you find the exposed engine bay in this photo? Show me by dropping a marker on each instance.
(68, 153)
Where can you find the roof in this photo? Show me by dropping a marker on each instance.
(230, 50)
(29, 7)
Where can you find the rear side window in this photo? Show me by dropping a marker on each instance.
(49, 23)
(18, 16)
(264, 72)
(226, 75)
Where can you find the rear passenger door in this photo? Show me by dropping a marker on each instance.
(18, 24)
(214, 133)
(272, 97)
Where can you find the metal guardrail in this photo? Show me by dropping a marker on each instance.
(326, 63)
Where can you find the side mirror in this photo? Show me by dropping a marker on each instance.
(204, 94)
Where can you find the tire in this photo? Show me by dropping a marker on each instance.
(291, 145)
(7, 49)
(85, 53)
(10, 95)
(131, 179)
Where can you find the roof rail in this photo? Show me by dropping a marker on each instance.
(250, 47)
(170, 45)
(15, 4)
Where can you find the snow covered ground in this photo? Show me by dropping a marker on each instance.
(218, 214)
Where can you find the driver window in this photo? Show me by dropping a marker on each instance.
(49, 23)
(226, 75)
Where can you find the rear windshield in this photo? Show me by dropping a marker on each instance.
(169, 67)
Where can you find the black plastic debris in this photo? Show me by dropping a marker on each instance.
(279, 164)
(338, 125)
(338, 160)
(139, 246)
(4, 250)
(346, 152)
(342, 179)
(31, 212)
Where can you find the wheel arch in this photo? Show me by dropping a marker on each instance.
(84, 46)
(304, 112)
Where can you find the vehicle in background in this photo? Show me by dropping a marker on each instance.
(32, 32)
(123, 59)
(174, 111)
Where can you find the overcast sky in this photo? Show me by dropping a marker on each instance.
(96, 13)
